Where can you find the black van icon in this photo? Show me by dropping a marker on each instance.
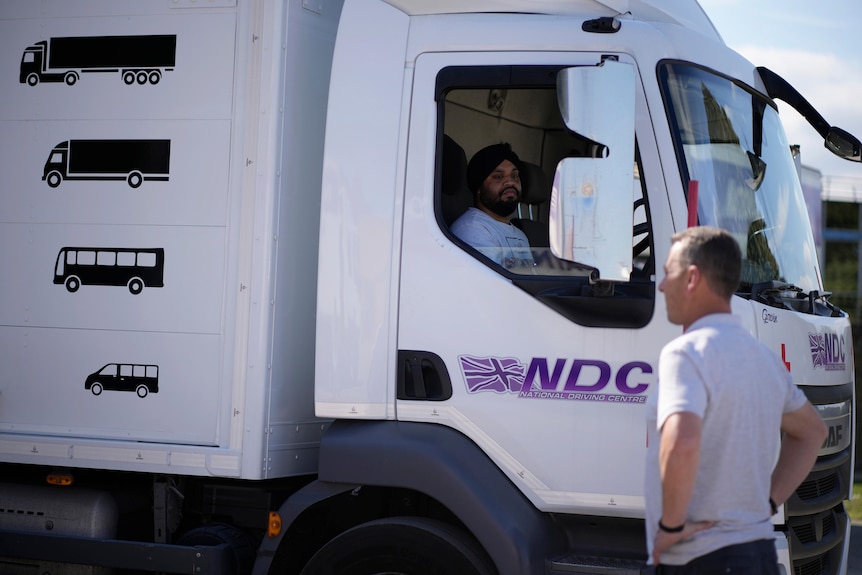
(140, 378)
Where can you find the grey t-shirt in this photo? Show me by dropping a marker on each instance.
(740, 389)
(503, 243)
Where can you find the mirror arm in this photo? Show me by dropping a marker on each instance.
(779, 89)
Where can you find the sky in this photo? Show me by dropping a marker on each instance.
(816, 45)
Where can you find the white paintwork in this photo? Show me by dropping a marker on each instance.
(244, 109)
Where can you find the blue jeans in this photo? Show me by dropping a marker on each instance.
(753, 558)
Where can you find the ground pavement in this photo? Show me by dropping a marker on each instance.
(855, 563)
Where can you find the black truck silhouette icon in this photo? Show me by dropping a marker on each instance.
(138, 59)
(131, 160)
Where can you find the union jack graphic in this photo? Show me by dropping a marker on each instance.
(501, 375)
(817, 343)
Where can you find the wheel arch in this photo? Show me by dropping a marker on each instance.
(429, 460)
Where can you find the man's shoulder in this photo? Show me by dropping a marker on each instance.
(717, 326)
(724, 334)
(473, 221)
(709, 330)
(472, 216)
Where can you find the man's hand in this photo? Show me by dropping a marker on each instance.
(663, 539)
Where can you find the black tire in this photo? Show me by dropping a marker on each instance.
(142, 391)
(54, 178)
(128, 77)
(96, 388)
(401, 546)
(72, 284)
(136, 286)
(141, 77)
(155, 76)
(240, 543)
(70, 78)
(32, 79)
(135, 179)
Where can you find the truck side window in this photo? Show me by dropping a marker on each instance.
(480, 106)
(526, 117)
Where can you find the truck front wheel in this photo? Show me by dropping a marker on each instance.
(73, 283)
(54, 179)
(32, 79)
(401, 545)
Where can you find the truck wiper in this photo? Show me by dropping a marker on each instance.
(774, 290)
(788, 296)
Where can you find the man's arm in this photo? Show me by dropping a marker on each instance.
(679, 457)
(804, 433)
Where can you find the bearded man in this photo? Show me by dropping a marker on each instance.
(494, 178)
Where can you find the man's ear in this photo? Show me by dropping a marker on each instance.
(695, 277)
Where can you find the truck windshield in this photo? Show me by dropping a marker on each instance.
(732, 149)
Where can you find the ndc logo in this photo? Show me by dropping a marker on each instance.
(574, 380)
(502, 375)
(827, 351)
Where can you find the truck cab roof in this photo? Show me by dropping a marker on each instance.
(687, 13)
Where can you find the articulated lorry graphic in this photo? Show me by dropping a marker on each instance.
(138, 59)
(131, 160)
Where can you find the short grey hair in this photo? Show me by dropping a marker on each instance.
(716, 254)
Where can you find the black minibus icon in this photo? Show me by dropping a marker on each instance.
(140, 378)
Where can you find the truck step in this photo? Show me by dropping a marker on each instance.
(586, 564)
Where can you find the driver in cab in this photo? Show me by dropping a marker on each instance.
(494, 179)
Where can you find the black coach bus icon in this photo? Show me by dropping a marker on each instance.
(134, 268)
(143, 379)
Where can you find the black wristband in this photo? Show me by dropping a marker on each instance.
(667, 529)
(773, 506)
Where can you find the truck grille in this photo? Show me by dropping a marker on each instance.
(808, 566)
(817, 524)
(811, 533)
(816, 519)
(812, 488)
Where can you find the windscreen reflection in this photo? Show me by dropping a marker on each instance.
(731, 142)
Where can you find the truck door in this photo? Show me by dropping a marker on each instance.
(545, 370)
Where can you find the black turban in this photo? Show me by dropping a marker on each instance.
(486, 161)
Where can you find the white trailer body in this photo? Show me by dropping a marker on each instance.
(335, 368)
(215, 220)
